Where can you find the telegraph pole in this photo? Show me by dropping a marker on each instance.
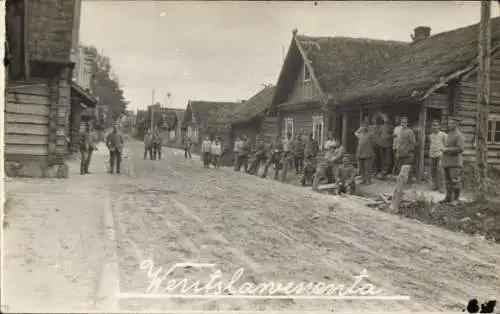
(483, 99)
(152, 108)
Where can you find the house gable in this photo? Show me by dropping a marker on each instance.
(293, 83)
(188, 116)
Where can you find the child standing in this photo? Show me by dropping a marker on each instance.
(206, 148)
(216, 152)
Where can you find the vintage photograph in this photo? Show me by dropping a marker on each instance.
(250, 156)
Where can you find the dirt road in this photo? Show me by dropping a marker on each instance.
(173, 210)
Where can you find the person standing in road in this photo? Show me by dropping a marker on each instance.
(298, 154)
(452, 161)
(114, 143)
(365, 153)
(243, 153)
(148, 145)
(92, 140)
(236, 151)
(385, 147)
(260, 154)
(406, 148)
(84, 147)
(216, 152)
(437, 141)
(157, 145)
(274, 157)
(206, 150)
(396, 167)
(187, 147)
(311, 150)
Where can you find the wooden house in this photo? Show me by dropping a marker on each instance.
(435, 77)
(208, 118)
(314, 75)
(176, 130)
(252, 117)
(40, 38)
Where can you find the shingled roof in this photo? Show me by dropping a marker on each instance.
(254, 106)
(424, 64)
(341, 61)
(206, 112)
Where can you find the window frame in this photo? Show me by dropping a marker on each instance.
(286, 122)
(491, 132)
(306, 73)
(319, 120)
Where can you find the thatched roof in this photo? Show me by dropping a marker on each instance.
(210, 112)
(254, 106)
(407, 77)
(341, 61)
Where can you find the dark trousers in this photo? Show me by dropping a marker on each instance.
(83, 159)
(115, 158)
(298, 164)
(216, 161)
(436, 173)
(187, 153)
(377, 161)
(396, 167)
(206, 159)
(365, 169)
(157, 151)
(150, 151)
(254, 167)
(274, 159)
(242, 161)
(89, 158)
(385, 154)
(453, 182)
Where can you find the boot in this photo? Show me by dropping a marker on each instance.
(456, 196)
(449, 195)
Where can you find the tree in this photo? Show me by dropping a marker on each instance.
(106, 86)
(483, 97)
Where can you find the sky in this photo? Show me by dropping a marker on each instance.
(226, 51)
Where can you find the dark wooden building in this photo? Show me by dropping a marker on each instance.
(314, 75)
(252, 117)
(40, 38)
(435, 77)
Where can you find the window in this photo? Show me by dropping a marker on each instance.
(318, 127)
(288, 126)
(493, 136)
(307, 74)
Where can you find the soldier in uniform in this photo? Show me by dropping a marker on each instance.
(365, 153)
(83, 146)
(452, 161)
(156, 145)
(346, 176)
(148, 145)
(114, 143)
(260, 154)
(275, 155)
(243, 153)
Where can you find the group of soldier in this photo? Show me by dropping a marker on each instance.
(87, 146)
(152, 145)
(382, 149)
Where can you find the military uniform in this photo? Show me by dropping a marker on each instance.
(275, 154)
(148, 146)
(452, 164)
(346, 178)
(243, 155)
(260, 155)
(365, 155)
(114, 142)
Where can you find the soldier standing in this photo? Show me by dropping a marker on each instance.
(148, 145)
(385, 149)
(437, 142)
(236, 151)
(365, 153)
(298, 154)
(260, 154)
(187, 147)
(274, 157)
(157, 145)
(452, 161)
(114, 143)
(243, 153)
(406, 146)
(83, 145)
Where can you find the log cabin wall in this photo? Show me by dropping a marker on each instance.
(466, 109)
(27, 112)
(303, 89)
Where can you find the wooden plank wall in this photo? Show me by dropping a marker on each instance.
(467, 110)
(268, 129)
(303, 90)
(27, 112)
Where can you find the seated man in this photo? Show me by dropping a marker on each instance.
(308, 173)
(346, 176)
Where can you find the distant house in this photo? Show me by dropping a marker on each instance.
(203, 118)
(435, 77)
(314, 75)
(176, 130)
(252, 117)
(41, 36)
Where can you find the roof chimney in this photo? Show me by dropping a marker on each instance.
(421, 33)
